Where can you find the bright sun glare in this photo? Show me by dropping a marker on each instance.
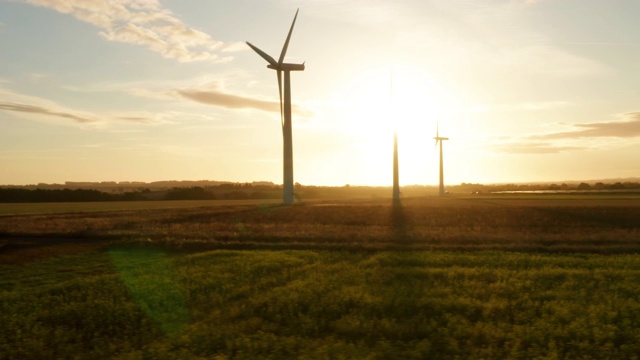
(403, 98)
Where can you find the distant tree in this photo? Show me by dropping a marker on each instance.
(133, 196)
(616, 186)
(57, 195)
(584, 186)
(193, 193)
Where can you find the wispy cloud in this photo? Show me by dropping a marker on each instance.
(217, 98)
(629, 127)
(145, 23)
(47, 110)
(32, 109)
(202, 89)
(529, 147)
(231, 101)
(579, 137)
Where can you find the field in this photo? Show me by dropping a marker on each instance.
(438, 278)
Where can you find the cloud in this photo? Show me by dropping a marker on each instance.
(627, 128)
(31, 109)
(205, 89)
(528, 147)
(145, 23)
(43, 109)
(231, 101)
(218, 98)
(585, 136)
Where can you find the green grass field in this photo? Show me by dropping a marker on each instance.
(482, 278)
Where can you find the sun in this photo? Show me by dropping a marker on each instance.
(399, 98)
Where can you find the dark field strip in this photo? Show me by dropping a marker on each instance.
(549, 225)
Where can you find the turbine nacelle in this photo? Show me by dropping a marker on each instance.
(438, 137)
(287, 67)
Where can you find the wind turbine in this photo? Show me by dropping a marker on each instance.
(285, 110)
(396, 174)
(440, 139)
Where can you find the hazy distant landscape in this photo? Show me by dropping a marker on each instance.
(220, 190)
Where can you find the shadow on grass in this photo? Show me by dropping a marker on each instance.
(399, 223)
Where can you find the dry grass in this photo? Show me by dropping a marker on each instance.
(578, 225)
(142, 283)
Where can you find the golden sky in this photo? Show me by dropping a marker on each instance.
(146, 90)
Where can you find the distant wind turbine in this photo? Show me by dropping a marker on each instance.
(440, 139)
(396, 176)
(285, 110)
(396, 172)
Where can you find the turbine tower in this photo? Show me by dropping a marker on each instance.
(396, 176)
(396, 172)
(440, 139)
(285, 110)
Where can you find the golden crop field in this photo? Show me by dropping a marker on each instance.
(437, 278)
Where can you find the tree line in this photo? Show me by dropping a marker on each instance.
(583, 186)
(65, 195)
(238, 191)
(226, 191)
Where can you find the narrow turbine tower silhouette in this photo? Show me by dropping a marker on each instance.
(396, 172)
(396, 175)
(440, 139)
(285, 109)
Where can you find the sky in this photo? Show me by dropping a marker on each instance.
(149, 90)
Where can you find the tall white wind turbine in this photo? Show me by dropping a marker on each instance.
(285, 110)
(440, 139)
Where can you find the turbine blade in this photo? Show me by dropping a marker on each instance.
(263, 54)
(437, 126)
(286, 43)
(280, 92)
